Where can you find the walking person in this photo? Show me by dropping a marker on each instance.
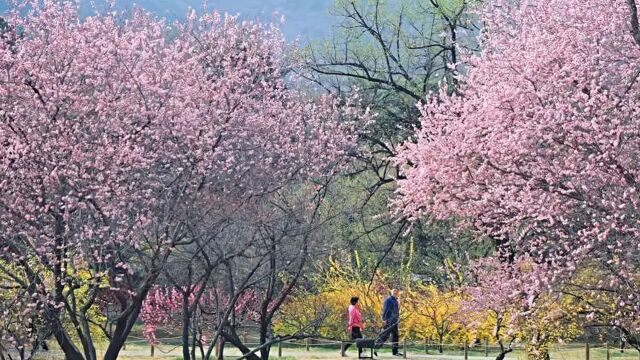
(391, 318)
(354, 324)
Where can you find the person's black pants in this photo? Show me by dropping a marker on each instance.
(389, 330)
(355, 334)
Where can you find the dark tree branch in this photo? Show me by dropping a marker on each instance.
(635, 26)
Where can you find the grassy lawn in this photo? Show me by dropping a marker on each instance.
(140, 350)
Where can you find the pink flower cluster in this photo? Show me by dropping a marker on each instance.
(163, 310)
(540, 148)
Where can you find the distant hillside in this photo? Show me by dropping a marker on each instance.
(306, 18)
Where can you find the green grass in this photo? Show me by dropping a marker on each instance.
(141, 351)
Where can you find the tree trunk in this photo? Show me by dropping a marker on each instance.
(127, 319)
(85, 339)
(264, 334)
(221, 349)
(503, 353)
(233, 338)
(201, 347)
(264, 352)
(69, 349)
(186, 326)
(632, 339)
(195, 339)
(123, 328)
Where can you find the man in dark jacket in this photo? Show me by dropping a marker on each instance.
(391, 318)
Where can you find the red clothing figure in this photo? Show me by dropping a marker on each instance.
(355, 317)
(354, 326)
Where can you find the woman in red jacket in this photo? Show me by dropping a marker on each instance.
(354, 325)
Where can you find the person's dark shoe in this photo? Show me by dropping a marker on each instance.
(375, 353)
(397, 354)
